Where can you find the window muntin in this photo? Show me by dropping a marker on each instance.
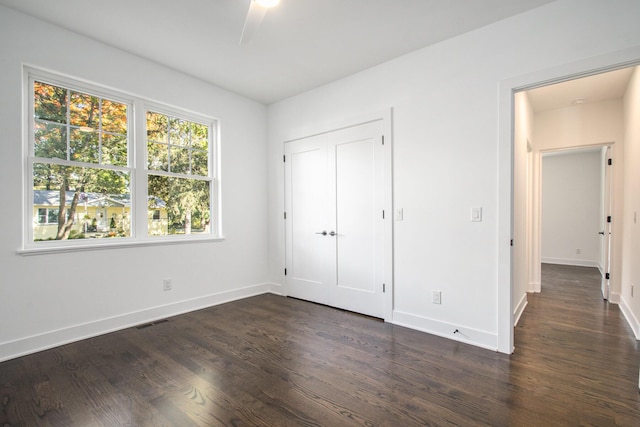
(83, 166)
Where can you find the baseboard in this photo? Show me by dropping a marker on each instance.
(535, 287)
(570, 261)
(522, 304)
(447, 330)
(631, 319)
(50, 339)
(614, 298)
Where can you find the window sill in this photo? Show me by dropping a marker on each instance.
(47, 248)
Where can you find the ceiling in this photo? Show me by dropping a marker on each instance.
(596, 88)
(300, 45)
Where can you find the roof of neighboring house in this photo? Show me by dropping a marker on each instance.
(52, 198)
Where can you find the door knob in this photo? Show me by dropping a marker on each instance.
(324, 233)
(601, 232)
(333, 233)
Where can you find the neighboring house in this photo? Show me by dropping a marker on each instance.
(97, 215)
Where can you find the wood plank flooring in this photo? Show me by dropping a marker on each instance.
(275, 361)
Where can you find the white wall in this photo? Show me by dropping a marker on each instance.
(49, 299)
(571, 201)
(630, 302)
(448, 152)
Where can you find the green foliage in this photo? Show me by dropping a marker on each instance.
(184, 199)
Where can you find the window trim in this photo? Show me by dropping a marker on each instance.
(137, 108)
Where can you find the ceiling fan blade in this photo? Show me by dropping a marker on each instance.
(252, 22)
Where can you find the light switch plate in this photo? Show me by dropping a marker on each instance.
(399, 214)
(476, 214)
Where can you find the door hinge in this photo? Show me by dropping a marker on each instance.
(384, 288)
(284, 157)
(609, 218)
(607, 276)
(285, 271)
(285, 215)
(609, 162)
(511, 242)
(382, 139)
(383, 214)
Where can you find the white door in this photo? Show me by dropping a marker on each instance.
(606, 232)
(335, 244)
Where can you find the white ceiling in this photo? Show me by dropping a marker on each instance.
(596, 88)
(300, 45)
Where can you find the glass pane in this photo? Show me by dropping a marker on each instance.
(114, 117)
(183, 202)
(50, 140)
(157, 157)
(97, 202)
(50, 102)
(157, 125)
(114, 150)
(199, 162)
(42, 215)
(179, 131)
(84, 110)
(83, 146)
(179, 160)
(199, 136)
(52, 216)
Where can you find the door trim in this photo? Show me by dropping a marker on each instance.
(386, 117)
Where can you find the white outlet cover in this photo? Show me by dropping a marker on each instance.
(476, 214)
(436, 297)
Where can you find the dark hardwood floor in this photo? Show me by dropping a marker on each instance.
(275, 361)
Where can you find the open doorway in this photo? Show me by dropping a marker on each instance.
(584, 115)
(576, 209)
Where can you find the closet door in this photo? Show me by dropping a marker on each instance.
(335, 227)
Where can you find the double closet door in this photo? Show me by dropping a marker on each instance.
(335, 225)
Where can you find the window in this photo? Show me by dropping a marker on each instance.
(47, 216)
(178, 165)
(88, 169)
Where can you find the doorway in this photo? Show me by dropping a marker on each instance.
(576, 204)
(582, 113)
(338, 218)
(507, 284)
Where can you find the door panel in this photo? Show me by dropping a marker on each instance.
(306, 170)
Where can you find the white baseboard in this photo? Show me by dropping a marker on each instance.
(570, 261)
(50, 339)
(444, 329)
(614, 298)
(535, 287)
(522, 304)
(631, 319)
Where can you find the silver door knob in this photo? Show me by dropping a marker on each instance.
(324, 233)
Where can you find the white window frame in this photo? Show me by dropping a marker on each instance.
(137, 108)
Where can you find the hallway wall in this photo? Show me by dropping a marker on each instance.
(630, 294)
(571, 200)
